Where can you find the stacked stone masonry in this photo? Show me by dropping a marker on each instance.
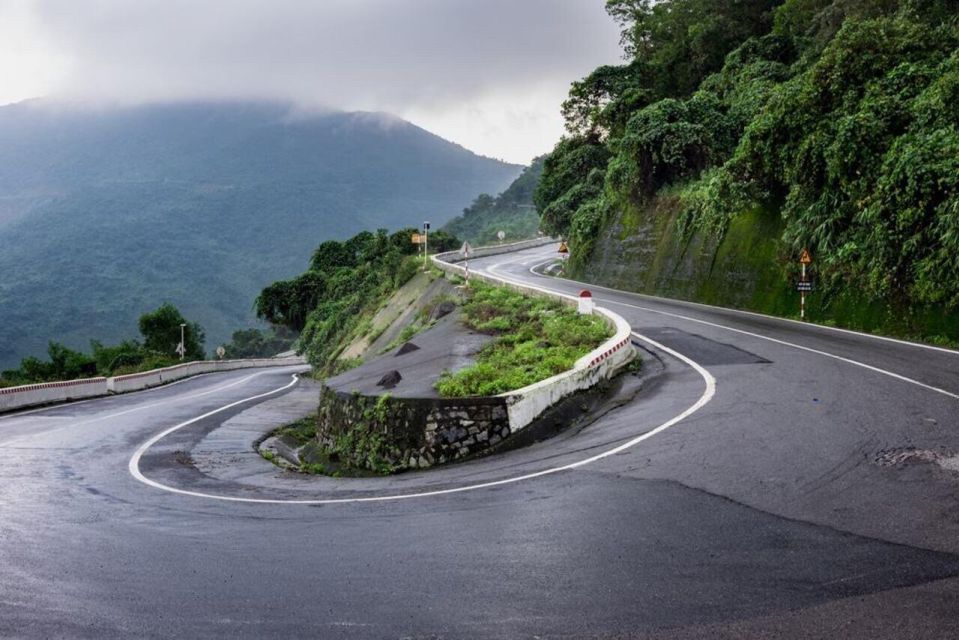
(414, 432)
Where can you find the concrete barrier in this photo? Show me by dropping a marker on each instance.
(44, 393)
(526, 404)
(156, 377)
(31, 395)
(492, 250)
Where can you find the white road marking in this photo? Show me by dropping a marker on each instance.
(72, 403)
(175, 399)
(707, 395)
(755, 314)
(493, 270)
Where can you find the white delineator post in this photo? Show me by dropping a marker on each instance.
(585, 306)
(802, 296)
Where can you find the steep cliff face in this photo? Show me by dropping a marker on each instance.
(749, 267)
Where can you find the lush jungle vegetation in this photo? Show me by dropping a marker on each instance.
(160, 330)
(841, 117)
(511, 212)
(345, 284)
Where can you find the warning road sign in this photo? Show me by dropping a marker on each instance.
(805, 258)
(563, 248)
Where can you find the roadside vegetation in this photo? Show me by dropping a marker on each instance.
(357, 453)
(834, 119)
(511, 212)
(160, 331)
(256, 343)
(346, 283)
(536, 338)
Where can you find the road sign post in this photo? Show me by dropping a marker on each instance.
(804, 285)
(426, 245)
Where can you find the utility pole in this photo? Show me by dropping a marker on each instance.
(426, 245)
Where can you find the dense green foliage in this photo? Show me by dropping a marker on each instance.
(511, 212)
(536, 338)
(345, 283)
(161, 334)
(105, 212)
(254, 343)
(842, 116)
(163, 328)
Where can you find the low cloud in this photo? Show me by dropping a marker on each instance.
(488, 74)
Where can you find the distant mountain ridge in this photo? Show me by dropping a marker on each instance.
(104, 214)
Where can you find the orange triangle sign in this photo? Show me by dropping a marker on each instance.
(563, 248)
(805, 258)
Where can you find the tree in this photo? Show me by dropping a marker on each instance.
(161, 332)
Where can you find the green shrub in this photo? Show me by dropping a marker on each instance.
(536, 338)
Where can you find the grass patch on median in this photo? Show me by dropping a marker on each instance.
(301, 432)
(536, 338)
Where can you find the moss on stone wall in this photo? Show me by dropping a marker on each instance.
(643, 250)
(385, 434)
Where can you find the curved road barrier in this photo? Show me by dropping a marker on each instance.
(43, 393)
(526, 404)
(32, 395)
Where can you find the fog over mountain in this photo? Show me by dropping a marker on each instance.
(105, 213)
(489, 75)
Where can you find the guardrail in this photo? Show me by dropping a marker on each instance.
(494, 249)
(50, 392)
(526, 404)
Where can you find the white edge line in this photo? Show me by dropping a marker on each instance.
(785, 343)
(134, 465)
(166, 385)
(744, 312)
(73, 425)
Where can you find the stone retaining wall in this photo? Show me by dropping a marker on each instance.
(405, 433)
(416, 433)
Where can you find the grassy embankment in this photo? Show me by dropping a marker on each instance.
(536, 338)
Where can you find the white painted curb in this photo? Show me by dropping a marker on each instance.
(526, 404)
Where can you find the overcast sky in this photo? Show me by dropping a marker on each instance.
(488, 74)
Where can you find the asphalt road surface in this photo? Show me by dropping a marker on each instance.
(772, 480)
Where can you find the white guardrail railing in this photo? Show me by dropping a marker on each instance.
(526, 404)
(49, 392)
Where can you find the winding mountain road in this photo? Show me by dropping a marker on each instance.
(772, 479)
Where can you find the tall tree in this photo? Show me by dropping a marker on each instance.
(161, 332)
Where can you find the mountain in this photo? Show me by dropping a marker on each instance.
(511, 212)
(106, 213)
